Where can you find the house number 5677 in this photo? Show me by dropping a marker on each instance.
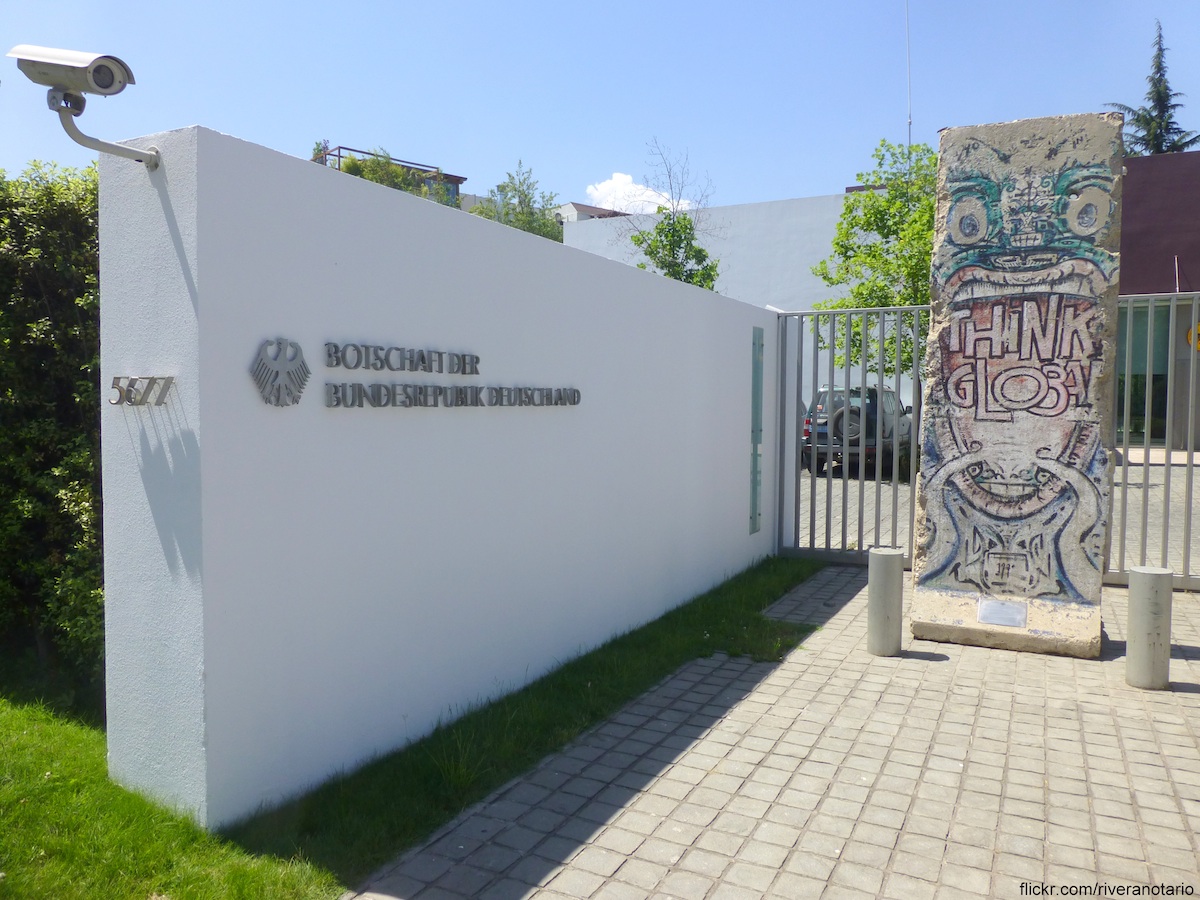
(140, 391)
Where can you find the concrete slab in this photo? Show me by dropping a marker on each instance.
(1016, 448)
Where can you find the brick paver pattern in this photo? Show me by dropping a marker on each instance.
(949, 771)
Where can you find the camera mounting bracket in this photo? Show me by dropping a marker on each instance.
(69, 104)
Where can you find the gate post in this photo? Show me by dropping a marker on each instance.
(1148, 634)
(885, 592)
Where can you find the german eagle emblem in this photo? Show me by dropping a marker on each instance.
(280, 372)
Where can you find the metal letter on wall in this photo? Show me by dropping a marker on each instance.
(756, 431)
(1016, 443)
(135, 391)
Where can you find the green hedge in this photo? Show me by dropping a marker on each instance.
(50, 562)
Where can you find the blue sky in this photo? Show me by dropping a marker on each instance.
(771, 99)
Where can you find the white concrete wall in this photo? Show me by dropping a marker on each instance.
(150, 462)
(291, 591)
(766, 253)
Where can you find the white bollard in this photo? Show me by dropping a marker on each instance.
(1148, 635)
(885, 600)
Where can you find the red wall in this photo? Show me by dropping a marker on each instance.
(1160, 219)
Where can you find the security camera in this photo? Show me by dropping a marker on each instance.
(70, 74)
(72, 70)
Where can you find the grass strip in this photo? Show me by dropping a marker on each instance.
(355, 823)
(67, 832)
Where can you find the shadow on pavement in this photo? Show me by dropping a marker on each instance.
(511, 842)
(923, 655)
(649, 752)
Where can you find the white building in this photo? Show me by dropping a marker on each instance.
(766, 250)
(581, 212)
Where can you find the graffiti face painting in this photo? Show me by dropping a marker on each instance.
(1014, 464)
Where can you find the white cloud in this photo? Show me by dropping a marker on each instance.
(622, 194)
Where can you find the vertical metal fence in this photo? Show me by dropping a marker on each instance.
(837, 500)
(1153, 498)
(835, 504)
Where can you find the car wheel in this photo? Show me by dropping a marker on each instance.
(847, 424)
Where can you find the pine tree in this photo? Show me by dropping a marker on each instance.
(1152, 128)
(517, 202)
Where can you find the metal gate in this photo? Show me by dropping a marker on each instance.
(838, 500)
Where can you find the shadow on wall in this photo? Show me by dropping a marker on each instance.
(177, 242)
(169, 457)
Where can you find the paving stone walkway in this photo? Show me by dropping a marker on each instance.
(946, 772)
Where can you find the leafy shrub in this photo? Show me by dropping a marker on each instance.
(50, 563)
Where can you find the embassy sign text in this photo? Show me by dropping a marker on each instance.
(403, 394)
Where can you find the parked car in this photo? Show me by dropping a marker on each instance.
(852, 426)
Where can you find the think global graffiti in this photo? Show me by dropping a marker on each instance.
(1014, 463)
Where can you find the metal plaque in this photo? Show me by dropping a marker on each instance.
(1011, 613)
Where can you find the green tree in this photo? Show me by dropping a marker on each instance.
(379, 166)
(882, 249)
(671, 248)
(1152, 128)
(517, 202)
(50, 566)
(380, 169)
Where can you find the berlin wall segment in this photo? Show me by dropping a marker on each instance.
(322, 551)
(1016, 449)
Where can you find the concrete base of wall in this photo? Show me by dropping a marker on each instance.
(1065, 629)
